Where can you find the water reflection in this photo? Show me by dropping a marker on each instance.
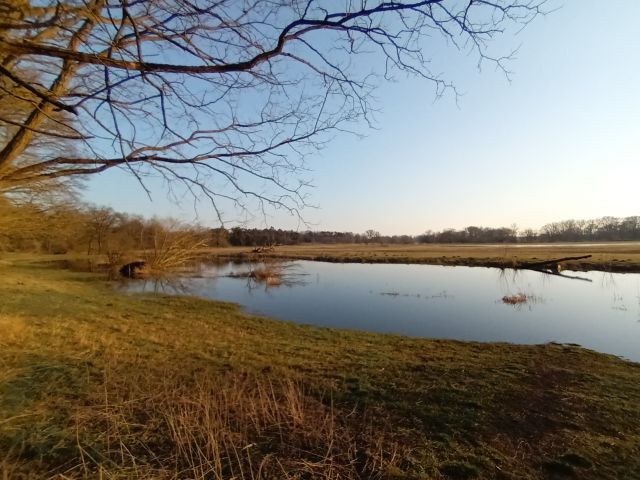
(442, 294)
(167, 285)
(594, 309)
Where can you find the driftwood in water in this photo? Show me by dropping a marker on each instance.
(560, 274)
(551, 264)
(553, 267)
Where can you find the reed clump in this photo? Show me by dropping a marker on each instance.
(270, 274)
(517, 299)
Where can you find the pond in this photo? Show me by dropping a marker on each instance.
(597, 310)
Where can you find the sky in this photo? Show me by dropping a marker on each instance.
(558, 140)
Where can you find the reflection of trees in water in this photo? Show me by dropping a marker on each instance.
(170, 285)
(516, 289)
(443, 294)
(508, 279)
(210, 268)
(257, 275)
(571, 277)
(509, 276)
(548, 273)
(608, 281)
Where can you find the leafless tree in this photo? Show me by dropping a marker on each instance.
(225, 97)
(100, 221)
(371, 235)
(175, 245)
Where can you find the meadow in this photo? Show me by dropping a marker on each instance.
(95, 383)
(613, 256)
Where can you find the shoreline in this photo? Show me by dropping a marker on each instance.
(612, 257)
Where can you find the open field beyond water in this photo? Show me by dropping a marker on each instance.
(615, 257)
(99, 384)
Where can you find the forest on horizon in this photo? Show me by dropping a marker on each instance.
(67, 228)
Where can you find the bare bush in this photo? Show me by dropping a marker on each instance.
(173, 246)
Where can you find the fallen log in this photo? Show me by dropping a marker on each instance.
(559, 274)
(549, 263)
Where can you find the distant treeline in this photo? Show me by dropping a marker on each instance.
(65, 228)
(599, 230)
(605, 229)
(246, 237)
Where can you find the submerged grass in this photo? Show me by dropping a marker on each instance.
(98, 384)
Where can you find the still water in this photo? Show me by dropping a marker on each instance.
(597, 310)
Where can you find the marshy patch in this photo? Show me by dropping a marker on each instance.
(521, 299)
(423, 300)
(273, 274)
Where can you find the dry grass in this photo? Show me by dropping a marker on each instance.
(517, 299)
(232, 426)
(96, 384)
(607, 257)
(13, 328)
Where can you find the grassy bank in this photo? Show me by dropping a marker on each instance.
(610, 257)
(98, 384)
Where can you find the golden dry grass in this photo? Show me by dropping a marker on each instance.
(608, 257)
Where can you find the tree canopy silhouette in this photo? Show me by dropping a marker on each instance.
(225, 97)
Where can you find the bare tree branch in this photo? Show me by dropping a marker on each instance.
(226, 98)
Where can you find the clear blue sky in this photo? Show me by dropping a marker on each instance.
(562, 140)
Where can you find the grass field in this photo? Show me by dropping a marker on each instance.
(99, 384)
(614, 257)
